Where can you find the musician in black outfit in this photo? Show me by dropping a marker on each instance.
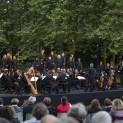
(14, 63)
(108, 70)
(42, 60)
(100, 67)
(121, 73)
(49, 64)
(36, 64)
(79, 65)
(59, 62)
(53, 59)
(70, 63)
(91, 77)
(63, 60)
(8, 62)
(4, 62)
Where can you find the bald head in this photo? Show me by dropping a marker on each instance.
(48, 119)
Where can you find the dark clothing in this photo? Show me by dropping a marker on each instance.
(52, 109)
(49, 65)
(93, 110)
(27, 109)
(52, 58)
(70, 64)
(107, 109)
(14, 64)
(121, 74)
(8, 63)
(41, 62)
(4, 62)
(79, 66)
(62, 61)
(14, 120)
(108, 71)
(100, 68)
(49, 79)
(36, 65)
(58, 63)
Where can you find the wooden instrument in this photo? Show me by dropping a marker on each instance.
(34, 90)
(101, 82)
(111, 79)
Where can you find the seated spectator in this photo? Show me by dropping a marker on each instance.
(117, 110)
(27, 109)
(8, 112)
(1, 101)
(101, 117)
(3, 120)
(66, 120)
(78, 111)
(108, 105)
(64, 106)
(94, 107)
(48, 119)
(14, 103)
(39, 111)
(47, 102)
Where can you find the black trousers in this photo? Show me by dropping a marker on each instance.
(90, 83)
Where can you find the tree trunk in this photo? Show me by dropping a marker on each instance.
(114, 58)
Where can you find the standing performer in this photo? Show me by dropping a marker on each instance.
(70, 63)
(36, 64)
(8, 63)
(63, 60)
(79, 65)
(121, 73)
(108, 70)
(4, 61)
(53, 59)
(59, 62)
(14, 64)
(100, 67)
(42, 60)
(91, 77)
(49, 64)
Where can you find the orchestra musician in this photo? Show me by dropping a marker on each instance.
(14, 63)
(63, 60)
(108, 70)
(4, 62)
(8, 62)
(100, 67)
(52, 59)
(70, 63)
(79, 65)
(121, 73)
(49, 64)
(59, 62)
(42, 60)
(36, 64)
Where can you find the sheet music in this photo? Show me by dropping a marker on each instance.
(55, 77)
(80, 77)
(32, 79)
(1, 75)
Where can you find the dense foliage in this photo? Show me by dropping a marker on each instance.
(70, 26)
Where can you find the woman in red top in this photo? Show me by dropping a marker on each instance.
(64, 106)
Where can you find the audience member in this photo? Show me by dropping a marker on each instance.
(64, 106)
(8, 112)
(1, 101)
(121, 98)
(117, 110)
(48, 119)
(39, 111)
(27, 109)
(101, 117)
(66, 120)
(108, 105)
(15, 103)
(47, 102)
(78, 111)
(3, 120)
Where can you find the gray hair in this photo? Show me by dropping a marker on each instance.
(40, 110)
(2, 120)
(66, 120)
(14, 101)
(78, 111)
(91, 65)
(32, 99)
(101, 117)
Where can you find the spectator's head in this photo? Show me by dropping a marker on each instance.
(101, 117)
(1, 101)
(39, 111)
(2, 120)
(95, 104)
(48, 119)
(78, 112)
(7, 112)
(121, 98)
(66, 120)
(107, 102)
(117, 104)
(14, 101)
(47, 100)
(64, 100)
(32, 99)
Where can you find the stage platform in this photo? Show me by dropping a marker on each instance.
(74, 96)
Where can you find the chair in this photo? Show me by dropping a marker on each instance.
(28, 116)
(61, 115)
(19, 116)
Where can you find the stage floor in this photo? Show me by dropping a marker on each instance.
(74, 96)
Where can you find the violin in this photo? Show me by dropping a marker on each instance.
(111, 79)
(101, 83)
